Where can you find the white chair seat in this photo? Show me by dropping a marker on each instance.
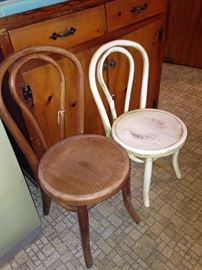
(149, 132)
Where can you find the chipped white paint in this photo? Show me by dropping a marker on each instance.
(147, 134)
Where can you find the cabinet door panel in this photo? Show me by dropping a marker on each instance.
(93, 123)
(42, 92)
(45, 96)
(184, 37)
(118, 72)
(44, 83)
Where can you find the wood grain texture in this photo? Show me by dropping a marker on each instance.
(84, 22)
(93, 123)
(184, 34)
(83, 170)
(44, 13)
(120, 13)
(5, 44)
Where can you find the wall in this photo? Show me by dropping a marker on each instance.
(19, 220)
(9, 7)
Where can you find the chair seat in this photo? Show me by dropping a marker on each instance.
(149, 132)
(84, 170)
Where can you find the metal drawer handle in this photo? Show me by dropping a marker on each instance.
(69, 32)
(139, 9)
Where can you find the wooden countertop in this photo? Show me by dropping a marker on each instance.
(44, 13)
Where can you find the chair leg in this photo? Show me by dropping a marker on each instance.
(46, 200)
(176, 164)
(82, 213)
(126, 192)
(147, 180)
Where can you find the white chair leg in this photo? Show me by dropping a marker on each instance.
(176, 164)
(147, 180)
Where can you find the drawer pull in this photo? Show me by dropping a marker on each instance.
(139, 9)
(70, 32)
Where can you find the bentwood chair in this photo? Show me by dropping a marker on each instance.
(78, 171)
(147, 134)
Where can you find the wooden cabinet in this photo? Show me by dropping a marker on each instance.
(82, 26)
(184, 34)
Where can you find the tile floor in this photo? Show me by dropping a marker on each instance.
(170, 235)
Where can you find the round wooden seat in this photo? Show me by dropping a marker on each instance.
(149, 132)
(84, 169)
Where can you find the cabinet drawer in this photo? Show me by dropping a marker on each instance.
(65, 31)
(122, 13)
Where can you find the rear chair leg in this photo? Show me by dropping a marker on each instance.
(46, 202)
(147, 180)
(126, 192)
(176, 164)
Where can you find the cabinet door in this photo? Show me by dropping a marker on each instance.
(184, 38)
(148, 37)
(44, 84)
(93, 123)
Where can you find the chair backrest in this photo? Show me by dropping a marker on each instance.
(45, 108)
(96, 74)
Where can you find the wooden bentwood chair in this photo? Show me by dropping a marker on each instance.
(79, 171)
(147, 134)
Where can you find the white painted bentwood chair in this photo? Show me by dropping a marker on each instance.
(147, 134)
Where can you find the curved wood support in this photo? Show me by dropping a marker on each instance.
(126, 192)
(82, 213)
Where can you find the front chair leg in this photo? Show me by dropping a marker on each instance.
(126, 192)
(82, 213)
(46, 200)
(147, 180)
(176, 164)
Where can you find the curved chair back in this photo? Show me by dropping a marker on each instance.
(96, 74)
(52, 107)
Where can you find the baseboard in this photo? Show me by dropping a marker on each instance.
(4, 258)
